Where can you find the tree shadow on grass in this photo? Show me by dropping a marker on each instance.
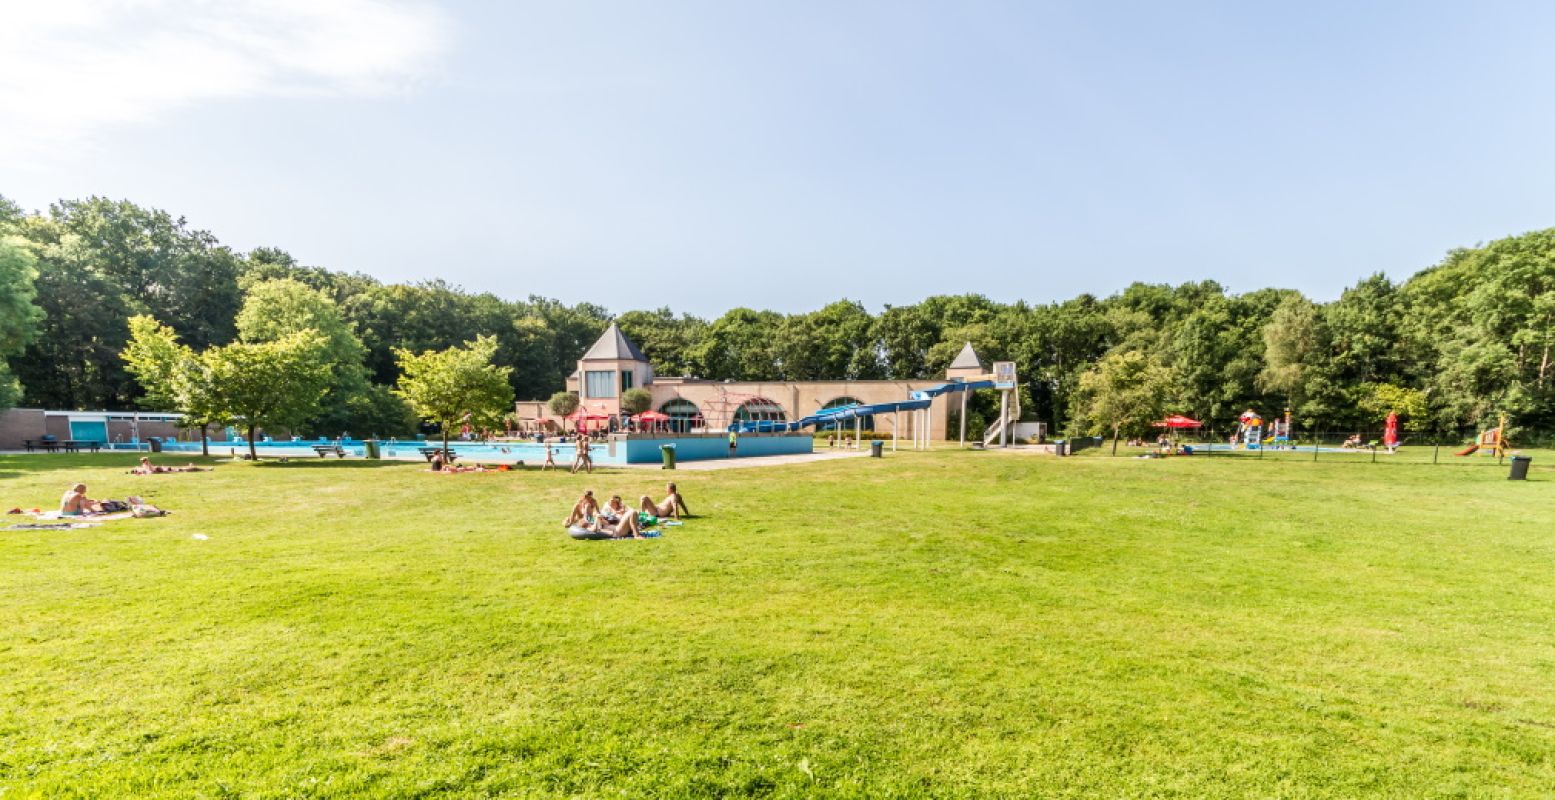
(15, 466)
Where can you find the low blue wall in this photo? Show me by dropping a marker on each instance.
(701, 448)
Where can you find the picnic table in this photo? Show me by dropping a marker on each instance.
(325, 449)
(57, 445)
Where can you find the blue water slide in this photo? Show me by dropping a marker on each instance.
(846, 413)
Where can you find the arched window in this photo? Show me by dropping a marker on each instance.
(759, 409)
(683, 415)
(868, 422)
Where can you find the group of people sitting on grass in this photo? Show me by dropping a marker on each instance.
(621, 522)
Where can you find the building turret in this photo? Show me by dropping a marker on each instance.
(613, 365)
(966, 366)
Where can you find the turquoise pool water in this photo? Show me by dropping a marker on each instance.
(504, 452)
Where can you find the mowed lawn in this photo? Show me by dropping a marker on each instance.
(946, 624)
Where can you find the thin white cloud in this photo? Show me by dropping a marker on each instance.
(72, 71)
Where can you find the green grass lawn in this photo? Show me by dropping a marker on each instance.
(943, 624)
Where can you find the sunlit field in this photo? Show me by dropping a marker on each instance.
(944, 624)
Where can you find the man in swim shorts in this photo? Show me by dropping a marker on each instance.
(673, 506)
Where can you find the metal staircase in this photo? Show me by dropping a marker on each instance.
(991, 436)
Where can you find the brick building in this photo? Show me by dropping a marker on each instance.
(614, 364)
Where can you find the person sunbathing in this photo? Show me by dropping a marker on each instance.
(147, 468)
(618, 520)
(75, 503)
(673, 506)
(584, 512)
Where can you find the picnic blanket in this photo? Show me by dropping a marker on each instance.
(55, 515)
(50, 526)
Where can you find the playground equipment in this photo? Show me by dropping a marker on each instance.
(1279, 433)
(1493, 442)
(1249, 430)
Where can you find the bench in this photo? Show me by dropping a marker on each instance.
(428, 452)
(325, 449)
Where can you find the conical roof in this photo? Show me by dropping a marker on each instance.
(614, 346)
(967, 359)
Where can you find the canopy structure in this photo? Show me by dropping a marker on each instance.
(1178, 421)
(650, 420)
(583, 415)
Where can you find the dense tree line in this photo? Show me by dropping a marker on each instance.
(1451, 347)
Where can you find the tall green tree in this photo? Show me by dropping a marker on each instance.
(670, 342)
(273, 309)
(456, 385)
(173, 377)
(19, 318)
(1124, 391)
(274, 384)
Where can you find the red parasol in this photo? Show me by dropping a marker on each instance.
(1178, 421)
(583, 415)
(651, 416)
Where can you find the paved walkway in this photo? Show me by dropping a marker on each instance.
(752, 461)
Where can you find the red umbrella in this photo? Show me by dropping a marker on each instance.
(1178, 421)
(583, 415)
(651, 416)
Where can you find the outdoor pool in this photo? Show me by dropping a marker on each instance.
(498, 452)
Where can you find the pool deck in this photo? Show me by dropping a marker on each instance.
(753, 461)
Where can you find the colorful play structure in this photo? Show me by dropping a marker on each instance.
(1492, 442)
(1249, 431)
(1279, 434)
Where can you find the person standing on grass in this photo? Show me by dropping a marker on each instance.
(583, 460)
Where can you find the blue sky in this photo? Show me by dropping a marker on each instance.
(712, 154)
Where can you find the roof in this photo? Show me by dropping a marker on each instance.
(967, 359)
(614, 346)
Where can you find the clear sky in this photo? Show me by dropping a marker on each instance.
(782, 155)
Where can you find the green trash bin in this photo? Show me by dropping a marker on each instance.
(370, 448)
(668, 452)
(1520, 468)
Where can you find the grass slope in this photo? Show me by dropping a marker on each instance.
(947, 624)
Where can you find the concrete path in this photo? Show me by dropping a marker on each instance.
(753, 461)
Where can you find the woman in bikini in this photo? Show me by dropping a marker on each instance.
(618, 520)
(584, 512)
(75, 503)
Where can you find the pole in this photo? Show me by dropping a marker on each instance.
(1004, 418)
(963, 419)
(1436, 451)
(896, 427)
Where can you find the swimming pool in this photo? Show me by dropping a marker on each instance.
(630, 449)
(494, 453)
